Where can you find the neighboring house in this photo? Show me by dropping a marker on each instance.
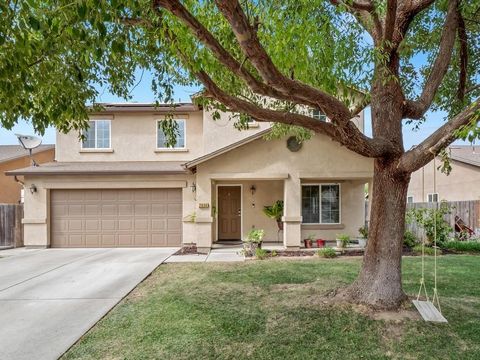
(123, 187)
(14, 157)
(429, 184)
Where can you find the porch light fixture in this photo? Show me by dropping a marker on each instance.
(193, 187)
(253, 189)
(33, 189)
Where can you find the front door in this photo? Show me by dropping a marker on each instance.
(229, 212)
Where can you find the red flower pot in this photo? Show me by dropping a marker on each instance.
(320, 243)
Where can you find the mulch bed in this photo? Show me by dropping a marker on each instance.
(187, 250)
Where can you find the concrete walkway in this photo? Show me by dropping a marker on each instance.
(232, 254)
(49, 298)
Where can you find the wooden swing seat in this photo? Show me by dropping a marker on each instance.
(429, 312)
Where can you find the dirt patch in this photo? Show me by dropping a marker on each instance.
(187, 249)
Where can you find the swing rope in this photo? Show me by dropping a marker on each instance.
(435, 297)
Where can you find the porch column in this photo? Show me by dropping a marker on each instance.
(203, 214)
(292, 219)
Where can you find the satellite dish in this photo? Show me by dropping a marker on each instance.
(29, 143)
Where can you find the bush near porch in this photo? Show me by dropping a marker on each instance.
(276, 309)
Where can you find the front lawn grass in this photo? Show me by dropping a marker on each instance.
(277, 309)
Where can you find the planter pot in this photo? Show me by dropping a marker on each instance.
(308, 243)
(362, 242)
(280, 224)
(250, 248)
(320, 243)
(340, 244)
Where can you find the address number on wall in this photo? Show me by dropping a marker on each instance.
(204, 205)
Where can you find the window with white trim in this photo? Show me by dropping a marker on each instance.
(321, 203)
(410, 199)
(317, 114)
(433, 197)
(97, 136)
(180, 136)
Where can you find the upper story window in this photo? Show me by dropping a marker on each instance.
(321, 204)
(317, 114)
(432, 198)
(97, 136)
(181, 136)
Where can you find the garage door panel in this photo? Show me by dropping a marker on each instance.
(159, 239)
(76, 240)
(92, 225)
(108, 240)
(92, 240)
(174, 209)
(112, 218)
(159, 209)
(109, 209)
(141, 239)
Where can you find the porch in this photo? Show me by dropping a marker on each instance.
(319, 207)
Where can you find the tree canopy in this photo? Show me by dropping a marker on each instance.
(262, 58)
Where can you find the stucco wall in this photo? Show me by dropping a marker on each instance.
(319, 160)
(221, 132)
(9, 188)
(462, 184)
(134, 138)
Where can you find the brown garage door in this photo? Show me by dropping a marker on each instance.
(116, 218)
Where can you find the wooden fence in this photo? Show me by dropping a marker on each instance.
(11, 228)
(468, 211)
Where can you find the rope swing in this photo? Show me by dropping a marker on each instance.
(427, 308)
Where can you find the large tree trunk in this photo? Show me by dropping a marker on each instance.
(379, 283)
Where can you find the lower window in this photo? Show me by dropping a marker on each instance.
(321, 204)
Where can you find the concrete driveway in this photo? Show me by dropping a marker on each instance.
(49, 298)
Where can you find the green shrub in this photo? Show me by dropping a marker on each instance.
(344, 238)
(417, 249)
(409, 239)
(255, 236)
(464, 246)
(432, 222)
(327, 252)
(261, 254)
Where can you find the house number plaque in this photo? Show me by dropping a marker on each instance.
(204, 205)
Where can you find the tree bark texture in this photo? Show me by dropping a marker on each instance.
(379, 283)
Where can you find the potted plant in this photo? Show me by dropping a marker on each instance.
(275, 212)
(342, 240)
(308, 242)
(362, 240)
(320, 243)
(253, 241)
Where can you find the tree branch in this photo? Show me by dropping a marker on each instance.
(416, 109)
(225, 58)
(462, 36)
(390, 18)
(349, 136)
(420, 155)
(250, 45)
(365, 13)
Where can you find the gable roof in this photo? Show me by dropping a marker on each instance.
(192, 163)
(466, 154)
(12, 152)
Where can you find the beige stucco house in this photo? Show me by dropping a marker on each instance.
(123, 187)
(429, 184)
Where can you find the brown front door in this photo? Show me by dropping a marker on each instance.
(229, 212)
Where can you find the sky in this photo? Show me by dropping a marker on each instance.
(143, 94)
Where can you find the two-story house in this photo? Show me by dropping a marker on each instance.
(123, 187)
